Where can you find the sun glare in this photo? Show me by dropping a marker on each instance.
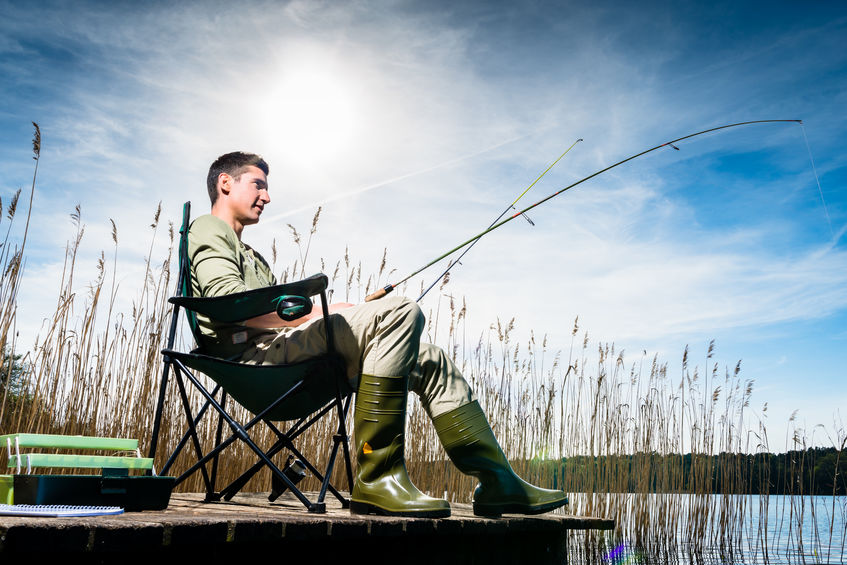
(312, 114)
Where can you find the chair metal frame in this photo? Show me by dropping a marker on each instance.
(319, 386)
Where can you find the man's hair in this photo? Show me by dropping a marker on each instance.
(232, 164)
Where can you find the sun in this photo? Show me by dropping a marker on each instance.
(312, 114)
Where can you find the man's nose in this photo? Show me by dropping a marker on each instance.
(266, 198)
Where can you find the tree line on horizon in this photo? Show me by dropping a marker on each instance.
(819, 471)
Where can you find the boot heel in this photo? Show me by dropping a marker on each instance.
(362, 508)
(487, 511)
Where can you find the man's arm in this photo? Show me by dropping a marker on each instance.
(272, 320)
(212, 247)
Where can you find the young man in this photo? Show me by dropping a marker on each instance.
(380, 342)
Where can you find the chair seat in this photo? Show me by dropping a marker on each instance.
(254, 386)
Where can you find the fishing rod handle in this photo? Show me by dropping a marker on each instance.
(379, 294)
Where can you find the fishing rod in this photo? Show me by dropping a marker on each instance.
(388, 288)
(497, 219)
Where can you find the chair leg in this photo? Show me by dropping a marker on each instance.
(193, 431)
(345, 502)
(216, 496)
(346, 446)
(339, 439)
(192, 424)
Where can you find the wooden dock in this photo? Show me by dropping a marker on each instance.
(249, 527)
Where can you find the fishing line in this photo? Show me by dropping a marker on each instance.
(820, 191)
(497, 219)
(388, 288)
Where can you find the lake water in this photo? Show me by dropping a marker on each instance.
(707, 530)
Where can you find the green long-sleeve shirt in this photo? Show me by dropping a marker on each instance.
(221, 264)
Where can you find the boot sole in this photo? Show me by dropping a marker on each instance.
(367, 508)
(497, 510)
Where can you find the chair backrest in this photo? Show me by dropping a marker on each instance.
(184, 286)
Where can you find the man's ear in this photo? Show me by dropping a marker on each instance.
(224, 183)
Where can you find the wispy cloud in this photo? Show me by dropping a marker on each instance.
(357, 191)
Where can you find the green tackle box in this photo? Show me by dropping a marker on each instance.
(113, 487)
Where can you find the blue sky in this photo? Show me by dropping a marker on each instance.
(414, 124)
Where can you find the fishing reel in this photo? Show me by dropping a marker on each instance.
(290, 307)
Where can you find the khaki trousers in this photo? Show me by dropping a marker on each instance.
(383, 338)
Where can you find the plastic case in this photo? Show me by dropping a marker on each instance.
(132, 493)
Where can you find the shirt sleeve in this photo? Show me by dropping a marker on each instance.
(213, 252)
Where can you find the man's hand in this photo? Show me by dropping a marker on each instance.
(272, 320)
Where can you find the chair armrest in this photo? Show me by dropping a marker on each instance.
(249, 304)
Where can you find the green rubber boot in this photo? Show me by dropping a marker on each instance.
(382, 483)
(471, 445)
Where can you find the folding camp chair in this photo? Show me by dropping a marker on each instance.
(302, 392)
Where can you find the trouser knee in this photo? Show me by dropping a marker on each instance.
(391, 335)
(438, 382)
(410, 313)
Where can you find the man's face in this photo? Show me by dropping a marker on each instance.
(248, 194)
